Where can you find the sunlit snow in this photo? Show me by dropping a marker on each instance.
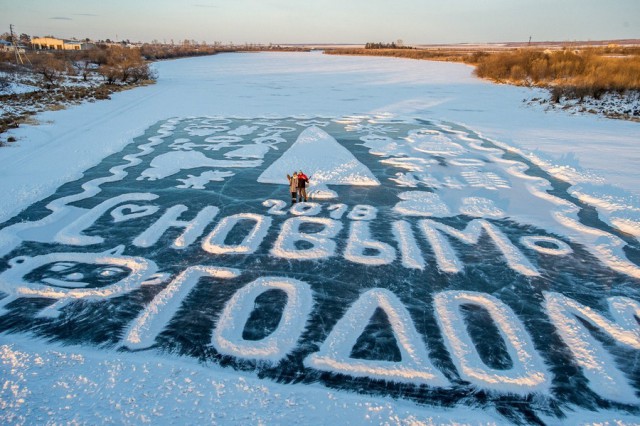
(154, 268)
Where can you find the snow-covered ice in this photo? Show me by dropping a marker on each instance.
(464, 258)
(80, 385)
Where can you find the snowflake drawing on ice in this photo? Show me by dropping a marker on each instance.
(369, 128)
(200, 181)
(488, 180)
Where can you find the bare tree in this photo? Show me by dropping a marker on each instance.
(5, 82)
(49, 67)
(25, 39)
(124, 65)
(83, 67)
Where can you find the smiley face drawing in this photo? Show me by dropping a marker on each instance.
(72, 276)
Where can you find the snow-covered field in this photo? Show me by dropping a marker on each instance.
(464, 257)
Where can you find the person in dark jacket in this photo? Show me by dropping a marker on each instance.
(303, 180)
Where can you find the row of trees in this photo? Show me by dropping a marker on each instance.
(156, 51)
(393, 45)
(22, 39)
(115, 64)
(410, 53)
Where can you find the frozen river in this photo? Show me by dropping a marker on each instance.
(462, 257)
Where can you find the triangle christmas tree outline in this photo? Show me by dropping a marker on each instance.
(324, 160)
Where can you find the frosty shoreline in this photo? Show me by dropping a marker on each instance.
(194, 92)
(610, 105)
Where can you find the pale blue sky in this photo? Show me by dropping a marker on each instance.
(326, 21)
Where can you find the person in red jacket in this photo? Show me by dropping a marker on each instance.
(303, 180)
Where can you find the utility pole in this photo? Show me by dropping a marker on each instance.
(18, 55)
(15, 46)
(529, 40)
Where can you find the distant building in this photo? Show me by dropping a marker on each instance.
(6, 46)
(52, 43)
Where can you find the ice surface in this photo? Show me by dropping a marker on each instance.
(360, 242)
(215, 242)
(334, 355)
(528, 373)
(228, 334)
(604, 377)
(321, 244)
(156, 315)
(463, 274)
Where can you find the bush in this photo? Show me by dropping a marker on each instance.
(574, 74)
(125, 65)
(5, 82)
(49, 66)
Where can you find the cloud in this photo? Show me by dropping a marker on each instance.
(62, 18)
(203, 5)
(85, 14)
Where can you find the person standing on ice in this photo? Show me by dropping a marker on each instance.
(293, 187)
(302, 186)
